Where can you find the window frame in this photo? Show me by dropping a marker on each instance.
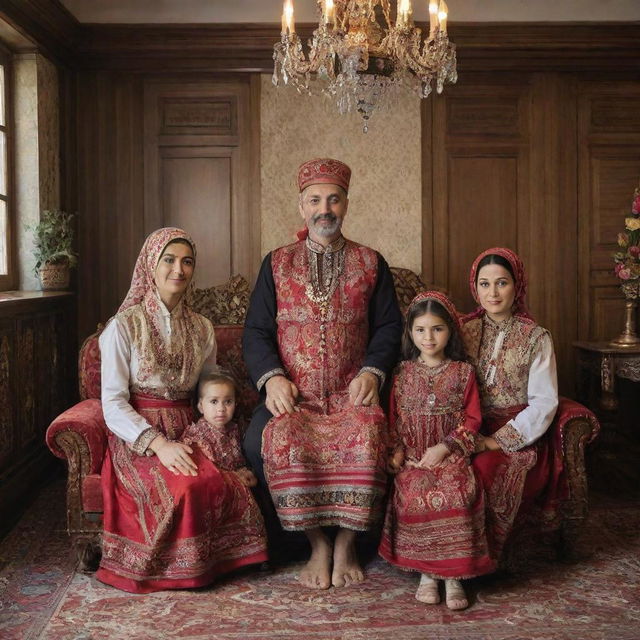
(8, 280)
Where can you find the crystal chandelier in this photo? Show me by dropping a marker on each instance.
(362, 57)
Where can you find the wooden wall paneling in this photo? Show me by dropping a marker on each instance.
(552, 245)
(89, 239)
(196, 195)
(129, 193)
(37, 341)
(480, 175)
(26, 377)
(609, 170)
(107, 189)
(110, 191)
(189, 129)
(8, 385)
(48, 24)
(210, 48)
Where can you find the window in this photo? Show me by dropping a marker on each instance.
(6, 249)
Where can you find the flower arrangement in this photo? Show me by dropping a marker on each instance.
(627, 260)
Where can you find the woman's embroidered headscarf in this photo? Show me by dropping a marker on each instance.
(443, 300)
(142, 280)
(519, 303)
(172, 360)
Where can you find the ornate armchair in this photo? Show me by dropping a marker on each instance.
(562, 508)
(79, 435)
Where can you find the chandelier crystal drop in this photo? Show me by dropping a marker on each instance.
(362, 57)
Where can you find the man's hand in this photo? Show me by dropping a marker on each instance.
(246, 477)
(395, 461)
(363, 389)
(281, 395)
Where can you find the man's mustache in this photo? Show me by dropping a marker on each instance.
(331, 217)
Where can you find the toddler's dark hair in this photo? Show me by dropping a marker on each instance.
(217, 377)
(455, 347)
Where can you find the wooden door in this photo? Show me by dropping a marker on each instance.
(199, 172)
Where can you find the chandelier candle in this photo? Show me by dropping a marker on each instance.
(433, 19)
(403, 20)
(329, 12)
(288, 25)
(362, 58)
(443, 12)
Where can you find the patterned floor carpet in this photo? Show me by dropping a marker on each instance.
(41, 596)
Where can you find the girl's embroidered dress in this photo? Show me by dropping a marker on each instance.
(435, 517)
(325, 462)
(162, 531)
(516, 370)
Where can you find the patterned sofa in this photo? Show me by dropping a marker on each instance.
(79, 434)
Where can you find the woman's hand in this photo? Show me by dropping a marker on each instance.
(175, 456)
(434, 456)
(486, 443)
(281, 396)
(395, 461)
(246, 477)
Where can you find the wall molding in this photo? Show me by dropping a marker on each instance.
(249, 47)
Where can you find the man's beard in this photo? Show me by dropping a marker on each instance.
(323, 231)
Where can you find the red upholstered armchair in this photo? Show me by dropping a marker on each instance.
(562, 507)
(79, 435)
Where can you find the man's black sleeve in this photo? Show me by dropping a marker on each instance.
(385, 322)
(260, 338)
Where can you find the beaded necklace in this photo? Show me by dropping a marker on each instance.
(324, 276)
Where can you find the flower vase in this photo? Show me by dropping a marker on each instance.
(629, 337)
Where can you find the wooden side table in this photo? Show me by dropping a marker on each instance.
(608, 382)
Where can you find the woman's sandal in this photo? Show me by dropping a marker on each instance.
(428, 590)
(456, 598)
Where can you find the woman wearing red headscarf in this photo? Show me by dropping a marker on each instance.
(516, 370)
(172, 519)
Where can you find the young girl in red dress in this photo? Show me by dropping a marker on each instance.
(435, 515)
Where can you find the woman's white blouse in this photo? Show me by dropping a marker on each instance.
(542, 390)
(119, 369)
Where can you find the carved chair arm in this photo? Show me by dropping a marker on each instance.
(79, 435)
(575, 427)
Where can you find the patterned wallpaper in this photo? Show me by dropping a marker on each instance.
(385, 198)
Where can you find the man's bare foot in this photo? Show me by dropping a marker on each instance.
(316, 574)
(346, 568)
(456, 598)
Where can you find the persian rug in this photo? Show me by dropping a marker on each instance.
(43, 598)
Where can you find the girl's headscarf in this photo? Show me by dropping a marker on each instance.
(519, 303)
(142, 281)
(443, 300)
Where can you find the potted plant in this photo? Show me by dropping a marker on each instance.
(53, 249)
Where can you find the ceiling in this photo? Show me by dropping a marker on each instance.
(211, 11)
